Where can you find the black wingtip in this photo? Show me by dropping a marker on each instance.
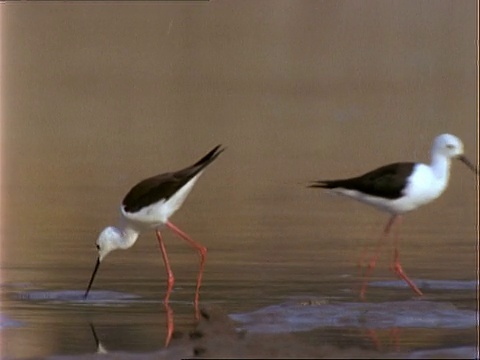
(212, 155)
(217, 150)
(317, 184)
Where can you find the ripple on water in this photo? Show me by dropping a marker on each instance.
(6, 322)
(430, 284)
(305, 316)
(77, 296)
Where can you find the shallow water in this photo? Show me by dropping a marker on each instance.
(296, 92)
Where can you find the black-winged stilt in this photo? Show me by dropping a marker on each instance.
(401, 187)
(149, 205)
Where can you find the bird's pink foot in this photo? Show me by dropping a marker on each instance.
(397, 268)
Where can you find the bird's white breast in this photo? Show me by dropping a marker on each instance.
(423, 186)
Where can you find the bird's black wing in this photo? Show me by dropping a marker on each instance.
(163, 186)
(387, 181)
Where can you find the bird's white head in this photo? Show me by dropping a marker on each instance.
(448, 145)
(109, 239)
(112, 238)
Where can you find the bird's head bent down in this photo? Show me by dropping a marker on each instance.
(111, 239)
(108, 240)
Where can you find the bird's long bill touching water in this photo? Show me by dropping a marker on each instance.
(97, 265)
(399, 188)
(149, 205)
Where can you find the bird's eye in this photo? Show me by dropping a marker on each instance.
(98, 247)
(450, 146)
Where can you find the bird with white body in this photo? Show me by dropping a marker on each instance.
(401, 187)
(149, 205)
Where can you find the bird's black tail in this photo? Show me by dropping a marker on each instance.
(324, 184)
(212, 155)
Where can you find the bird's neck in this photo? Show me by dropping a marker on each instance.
(440, 167)
(128, 236)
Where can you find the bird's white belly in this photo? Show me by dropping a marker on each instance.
(394, 206)
(158, 214)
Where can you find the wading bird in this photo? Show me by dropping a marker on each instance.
(399, 188)
(149, 205)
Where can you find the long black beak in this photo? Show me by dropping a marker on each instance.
(91, 279)
(467, 162)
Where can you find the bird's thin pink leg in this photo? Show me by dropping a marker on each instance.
(363, 259)
(202, 251)
(372, 334)
(170, 277)
(169, 323)
(395, 338)
(373, 260)
(397, 268)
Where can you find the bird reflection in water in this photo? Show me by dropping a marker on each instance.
(169, 323)
(393, 335)
(100, 348)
